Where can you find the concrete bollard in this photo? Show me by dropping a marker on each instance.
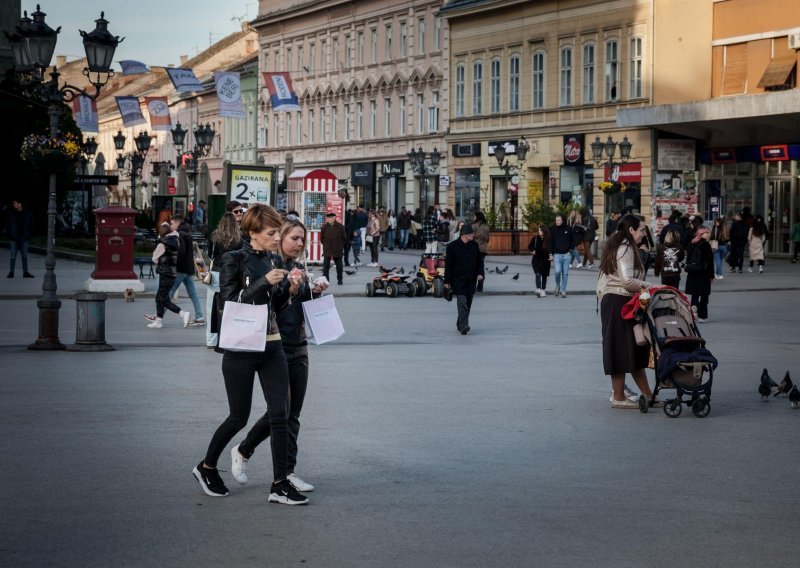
(90, 325)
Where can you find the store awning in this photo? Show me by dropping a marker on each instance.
(311, 180)
(778, 71)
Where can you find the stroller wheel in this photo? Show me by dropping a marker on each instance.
(673, 408)
(644, 404)
(701, 407)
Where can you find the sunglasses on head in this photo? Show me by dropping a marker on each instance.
(238, 211)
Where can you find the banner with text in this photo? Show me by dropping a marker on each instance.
(184, 80)
(158, 108)
(84, 110)
(131, 67)
(281, 93)
(229, 93)
(130, 110)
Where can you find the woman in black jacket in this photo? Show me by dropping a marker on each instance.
(166, 258)
(540, 259)
(254, 274)
(700, 272)
(293, 336)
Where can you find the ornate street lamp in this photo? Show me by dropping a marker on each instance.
(609, 148)
(203, 140)
(137, 157)
(512, 169)
(33, 43)
(423, 167)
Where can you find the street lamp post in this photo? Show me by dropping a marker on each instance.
(203, 140)
(609, 148)
(137, 157)
(500, 153)
(32, 44)
(424, 165)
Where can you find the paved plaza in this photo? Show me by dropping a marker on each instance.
(427, 448)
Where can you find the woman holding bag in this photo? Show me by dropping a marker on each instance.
(293, 336)
(254, 274)
(226, 237)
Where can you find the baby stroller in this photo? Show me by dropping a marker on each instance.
(679, 353)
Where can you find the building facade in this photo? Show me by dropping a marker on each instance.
(370, 80)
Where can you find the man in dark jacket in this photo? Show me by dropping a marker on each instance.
(333, 238)
(186, 267)
(562, 243)
(738, 236)
(18, 228)
(463, 269)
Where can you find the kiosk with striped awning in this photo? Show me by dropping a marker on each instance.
(313, 194)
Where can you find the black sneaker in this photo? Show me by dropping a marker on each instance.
(27, 275)
(284, 492)
(10, 275)
(210, 481)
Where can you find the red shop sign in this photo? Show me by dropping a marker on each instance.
(625, 173)
(775, 153)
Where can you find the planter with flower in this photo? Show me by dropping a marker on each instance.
(51, 154)
(612, 187)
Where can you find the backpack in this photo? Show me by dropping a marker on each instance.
(443, 231)
(694, 260)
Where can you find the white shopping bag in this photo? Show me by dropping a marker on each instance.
(244, 327)
(322, 320)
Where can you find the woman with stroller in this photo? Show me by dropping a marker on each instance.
(756, 237)
(540, 259)
(293, 337)
(253, 274)
(700, 272)
(668, 260)
(620, 278)
(719, 245)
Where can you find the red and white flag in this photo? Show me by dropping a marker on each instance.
(84, 110)
(158, 109)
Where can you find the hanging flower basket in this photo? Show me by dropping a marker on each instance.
(612, 187)
(51, 154)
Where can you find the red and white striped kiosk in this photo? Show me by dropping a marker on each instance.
(314, 194)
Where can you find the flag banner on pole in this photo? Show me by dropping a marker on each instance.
(158, 108)
(229, 93)
(84, 110)
(281, 93)
(184, 80)
(131, 67)
(130, 110)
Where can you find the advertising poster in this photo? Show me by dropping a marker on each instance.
(673, 191)
(250, 184)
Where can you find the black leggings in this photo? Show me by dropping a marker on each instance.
(162, 296)
(297, 359)
(238, 369)
(541, 281)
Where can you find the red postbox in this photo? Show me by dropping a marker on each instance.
(114, 230)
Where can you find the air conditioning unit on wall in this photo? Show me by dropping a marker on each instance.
(794, 39)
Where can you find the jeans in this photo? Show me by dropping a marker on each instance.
(561, 263)
(574, 256)
(163, 296)
(404, 239)
(431, 247)
(363, 231)
(719, 256)
(238, 369)
(188, 282)
(297, 360)
(213, 288)
(326, 267)
(356, 247)
(390, 239)
(464, 303)
(22, 246)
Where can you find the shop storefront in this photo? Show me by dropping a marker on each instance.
(576, 179)
(362, 178)
(391, 185)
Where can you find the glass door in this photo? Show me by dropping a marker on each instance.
(778, 215)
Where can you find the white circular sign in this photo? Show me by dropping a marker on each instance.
(515, 180)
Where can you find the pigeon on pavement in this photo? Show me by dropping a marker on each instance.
(785, 386)
(504, 270)
(515, 277)
(350, 272)
(794, 397)
(765, 388)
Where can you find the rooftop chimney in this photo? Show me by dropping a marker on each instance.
(184, 59)
(61, 60)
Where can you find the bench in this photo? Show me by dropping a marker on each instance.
(143, 261)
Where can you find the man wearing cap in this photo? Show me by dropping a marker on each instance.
(463, 270)
(333, 238)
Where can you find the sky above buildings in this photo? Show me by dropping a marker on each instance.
(156, 32)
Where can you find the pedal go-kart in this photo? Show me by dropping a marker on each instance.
(391, 283)
(430, 275)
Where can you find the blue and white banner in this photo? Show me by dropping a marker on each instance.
(131, 67)
(229, 94)
(281, 93)
(184, 80)
(131, 111)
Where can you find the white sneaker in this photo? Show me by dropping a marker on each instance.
(156, 324)
(749, 270)
(542, 293)
(185, 317)
(623, 403)
(760, 269)
(563, 294)
(718, 277)
(580, 265)
(629, 394)
(238, 465)
(299, 484)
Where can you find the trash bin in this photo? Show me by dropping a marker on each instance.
(90, 325)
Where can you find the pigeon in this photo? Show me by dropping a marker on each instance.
(497, 270)
(794, 396)
(351, 272)
(765, 388)
(515, 277)
(504, 270)
(785, 386)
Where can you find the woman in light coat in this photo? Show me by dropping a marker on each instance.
(756, 237)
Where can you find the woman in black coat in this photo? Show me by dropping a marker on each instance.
(540, 259)
(700, 258)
